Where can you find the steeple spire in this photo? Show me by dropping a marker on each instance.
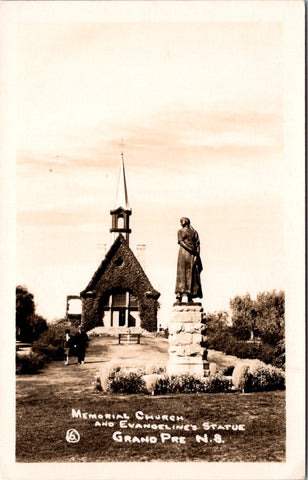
(122, 197)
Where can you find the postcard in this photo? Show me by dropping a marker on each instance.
(153, 240)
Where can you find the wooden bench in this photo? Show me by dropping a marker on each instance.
(129, 338)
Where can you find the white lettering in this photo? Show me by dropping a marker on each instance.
(76, 413)
(167, 437)
(117, 437)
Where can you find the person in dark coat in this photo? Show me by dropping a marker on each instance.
(81, 340)
(189, 264)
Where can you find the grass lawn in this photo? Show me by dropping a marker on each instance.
(44, 406)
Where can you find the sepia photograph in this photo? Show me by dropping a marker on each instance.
(153, 234)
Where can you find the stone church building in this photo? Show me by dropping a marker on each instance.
(120, 294)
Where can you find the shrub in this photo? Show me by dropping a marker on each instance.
(220, 341)
(217, 383)
(176, 384)
(256, 376)
(242, 349)
(130, 382)
(266, 378)
(266, 353)
(29, 364)
(190, 384)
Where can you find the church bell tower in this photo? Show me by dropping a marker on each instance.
(121, 212)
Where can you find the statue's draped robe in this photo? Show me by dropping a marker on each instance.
(189, 266)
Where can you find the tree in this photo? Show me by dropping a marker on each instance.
(218, 330)
(29, 325)
(39, 325)
(25, 308)
(270, 311)
(217, 322)
(264, 315)
(243, 317)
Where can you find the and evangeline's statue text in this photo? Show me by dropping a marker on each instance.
(189, 264)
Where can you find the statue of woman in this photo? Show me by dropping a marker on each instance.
(189, 263)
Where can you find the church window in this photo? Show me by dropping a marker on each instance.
(119, 299)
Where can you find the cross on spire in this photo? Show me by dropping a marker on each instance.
(122, 144)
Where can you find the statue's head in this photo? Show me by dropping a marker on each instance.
(185, 221)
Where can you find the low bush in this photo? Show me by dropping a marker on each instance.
(175, 384)
(217, 383)
(29, 364)
(220, 340)
(256, 376)
(267, 378)
(115, 379)
(127, 382)
(165, 384)
(242, 349)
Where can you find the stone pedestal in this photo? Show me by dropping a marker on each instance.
(187, 350)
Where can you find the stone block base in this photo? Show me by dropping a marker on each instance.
(187, 353)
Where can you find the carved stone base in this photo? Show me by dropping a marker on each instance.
(187, 355)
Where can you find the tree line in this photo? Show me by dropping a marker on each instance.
(255, 328)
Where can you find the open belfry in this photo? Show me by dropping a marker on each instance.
(120, 294)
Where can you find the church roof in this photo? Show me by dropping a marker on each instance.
(122, 197)
(120, 268)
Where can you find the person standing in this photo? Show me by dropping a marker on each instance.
(67, 345)
(189, 264)
(81, 340)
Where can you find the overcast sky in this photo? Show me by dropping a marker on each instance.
(200, 108)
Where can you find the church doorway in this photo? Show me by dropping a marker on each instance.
(119, 308)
